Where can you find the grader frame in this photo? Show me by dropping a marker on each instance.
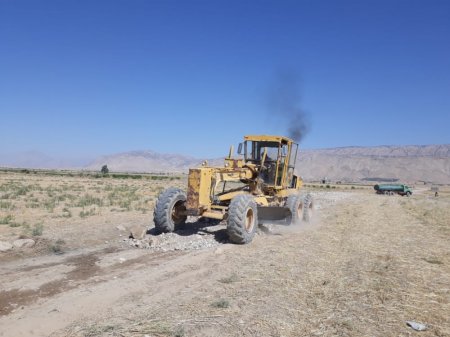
(259, 187)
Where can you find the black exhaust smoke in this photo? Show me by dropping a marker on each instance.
(284, 102)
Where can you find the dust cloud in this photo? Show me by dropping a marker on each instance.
(297, 227)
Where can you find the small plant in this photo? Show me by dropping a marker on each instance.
(179, 332)
(229, 279)
(221, 304)
(22, 190)
(66, 213)
(15, 224)
(37, 230)
(85, 214)
(6, 205)
(6, 219)
(125, 204)
(88, 200)
(50, 205)
(57, 247)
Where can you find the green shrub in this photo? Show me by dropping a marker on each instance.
(6, 219)
(6, 205)
(37, 230)
(57, 247)
(229, 279)
(221, 304)
(84, 214)
(66, 213)
(88, 200)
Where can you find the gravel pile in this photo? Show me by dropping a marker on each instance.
(193, 236)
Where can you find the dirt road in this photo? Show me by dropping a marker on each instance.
(368, 264)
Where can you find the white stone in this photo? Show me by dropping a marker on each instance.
(5, 246)
(121, 228)
(24, 243)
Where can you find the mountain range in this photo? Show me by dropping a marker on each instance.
(428, 163)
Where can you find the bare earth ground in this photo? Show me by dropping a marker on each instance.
(367, 264)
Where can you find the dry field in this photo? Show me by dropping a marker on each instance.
(364, 267)
(64, 212)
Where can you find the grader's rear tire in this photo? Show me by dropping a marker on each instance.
(242, 219)
(308, 207)
(295, 204)
(170, 210)
(301, 207)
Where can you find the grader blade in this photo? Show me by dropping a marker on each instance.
(274, 215)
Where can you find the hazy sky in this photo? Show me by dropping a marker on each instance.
(95, 77)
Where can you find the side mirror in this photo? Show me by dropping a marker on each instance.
(284, 151)
(239, 151)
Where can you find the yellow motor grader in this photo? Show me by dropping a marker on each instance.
(260, 187)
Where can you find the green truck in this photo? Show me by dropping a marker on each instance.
(391, 189)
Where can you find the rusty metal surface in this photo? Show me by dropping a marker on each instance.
(192, 202)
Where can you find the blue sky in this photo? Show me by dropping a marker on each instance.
(83, 78)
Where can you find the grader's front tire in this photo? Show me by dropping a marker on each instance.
(170, 210)
(242, 219)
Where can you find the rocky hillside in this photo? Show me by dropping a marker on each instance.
(430, 163)
(376, 164)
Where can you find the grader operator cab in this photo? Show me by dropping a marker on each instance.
(258, 187)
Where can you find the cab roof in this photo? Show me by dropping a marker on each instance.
(268, 138)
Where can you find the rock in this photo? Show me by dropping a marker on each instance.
(5, 246)
(416, 326)
(138, 232)
(121, 228)
(24, 243)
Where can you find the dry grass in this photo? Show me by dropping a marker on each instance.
(372, 264)
(56, 205)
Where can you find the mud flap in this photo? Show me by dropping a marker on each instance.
(274, 215)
